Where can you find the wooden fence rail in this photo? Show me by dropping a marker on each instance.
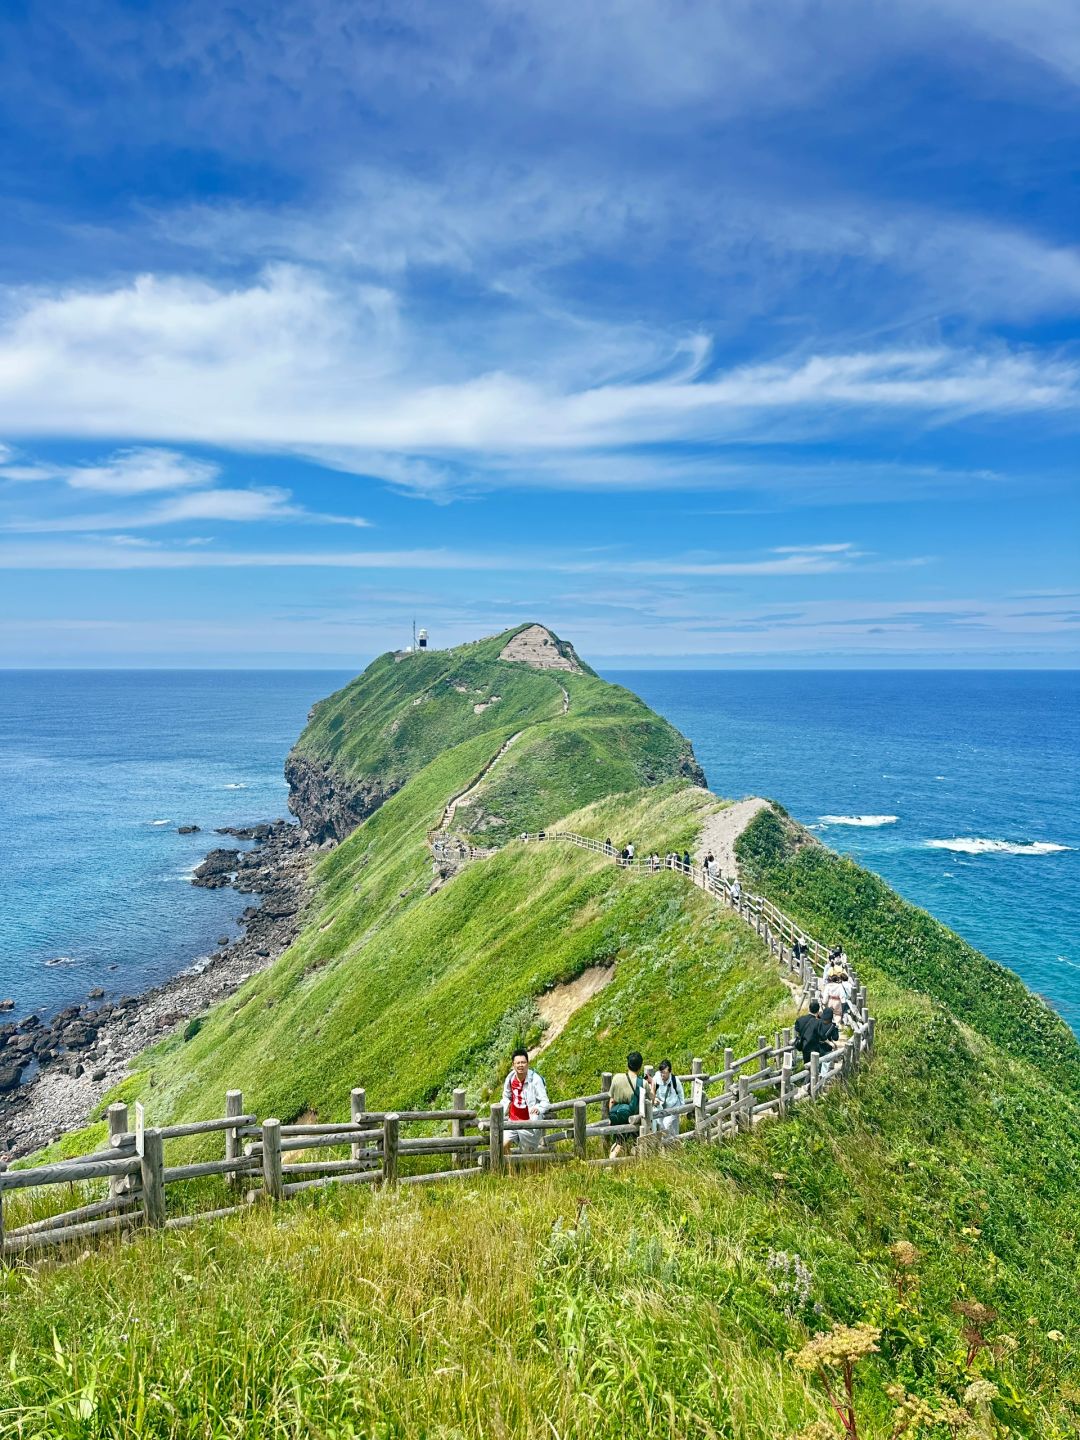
(380, 1147)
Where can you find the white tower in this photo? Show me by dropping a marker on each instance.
(421, 640)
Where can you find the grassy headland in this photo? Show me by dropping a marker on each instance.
(946, 1176)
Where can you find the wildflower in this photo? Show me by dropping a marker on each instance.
(980, 1392)
(904, 1253)
(841, 1348)
(1055, 1335)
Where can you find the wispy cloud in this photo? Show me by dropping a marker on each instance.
(135, 473)
(291, 363)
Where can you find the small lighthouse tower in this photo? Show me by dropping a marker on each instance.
(422, 640)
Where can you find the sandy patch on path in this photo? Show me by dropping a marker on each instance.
(721, 830)
(557, 1006)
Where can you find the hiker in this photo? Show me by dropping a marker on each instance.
(814, 1033)
(625, 1095)
(686, 859)
(609, 849)
(524, 1097)
(798, 951)
(624, 855)
(838, 992)
(668, 1094)
(630, 850)
(736, 893)
(654, 863)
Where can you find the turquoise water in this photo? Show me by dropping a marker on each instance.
(97, 769)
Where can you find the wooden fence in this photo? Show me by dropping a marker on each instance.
(274, 1161)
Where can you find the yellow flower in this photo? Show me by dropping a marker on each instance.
(1054, 1335)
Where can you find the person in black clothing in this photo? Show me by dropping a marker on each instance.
(686, 859)
(814, 1033)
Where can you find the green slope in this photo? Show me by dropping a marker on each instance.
(457, 1313)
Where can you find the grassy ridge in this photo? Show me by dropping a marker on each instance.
(947, 1174)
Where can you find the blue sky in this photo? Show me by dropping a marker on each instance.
(710, 334)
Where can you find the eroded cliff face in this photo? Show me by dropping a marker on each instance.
(328, 806)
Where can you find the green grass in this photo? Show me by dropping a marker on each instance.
(482, 1311)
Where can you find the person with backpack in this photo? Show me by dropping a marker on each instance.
(625, 1094)
(524, 1097)
(668, 1094)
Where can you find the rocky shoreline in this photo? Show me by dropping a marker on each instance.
(83, 1051)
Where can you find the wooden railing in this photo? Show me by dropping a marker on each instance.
(274, 1161)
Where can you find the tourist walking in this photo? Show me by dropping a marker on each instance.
(625, 1095)
(524, 1097)
(668, 1095)
(814, 1033)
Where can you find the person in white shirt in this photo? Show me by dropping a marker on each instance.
(524, 1097)
(668, 1095)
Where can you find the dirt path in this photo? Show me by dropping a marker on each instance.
(721, 831)
(463, 796)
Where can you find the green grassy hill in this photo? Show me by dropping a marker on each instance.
(946, 1176)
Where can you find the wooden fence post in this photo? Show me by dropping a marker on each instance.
(357, 1107)
(815, 1075)
(457, 1129)
(645, 1109)
(117, 1116)
(763, 1044)
(152, 1170)
(234, 1105)
(742, 1115)
(496, 1158)
(581, 1121)
(273, 1179)
(785, 1084)
(870, 1024)
(391, 1136)
(605, 1103)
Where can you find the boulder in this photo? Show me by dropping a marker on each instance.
(215, 870)
(187, 829)
(6, 1005)
(79, 1036)
(95, 994)
(10, 1075)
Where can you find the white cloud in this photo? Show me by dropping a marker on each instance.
(290, 363)
(138, 471)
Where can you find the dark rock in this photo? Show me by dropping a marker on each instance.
(187, 829)
(79, 1036)
(30, 1022)
(98, 1075)
(328, 805)
(10, 1075)
(216, 869)
(222, 940)
(95, 994)
(6, 1005)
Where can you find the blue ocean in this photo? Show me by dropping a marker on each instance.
(959, 788)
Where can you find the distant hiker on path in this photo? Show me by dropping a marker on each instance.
(686, 859)
(668, 1094)
(814, 1033)
(524, 1097)
(736, 894)
(609, 849)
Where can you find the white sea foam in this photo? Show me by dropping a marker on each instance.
(160, 822)
(236, 787)
(867, 821)
(973, 845)
(61, 960)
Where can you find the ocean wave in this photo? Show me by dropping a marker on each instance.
(867, 821)
(60, 960)
(974, 845)
(235, 787)
(160, 822)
